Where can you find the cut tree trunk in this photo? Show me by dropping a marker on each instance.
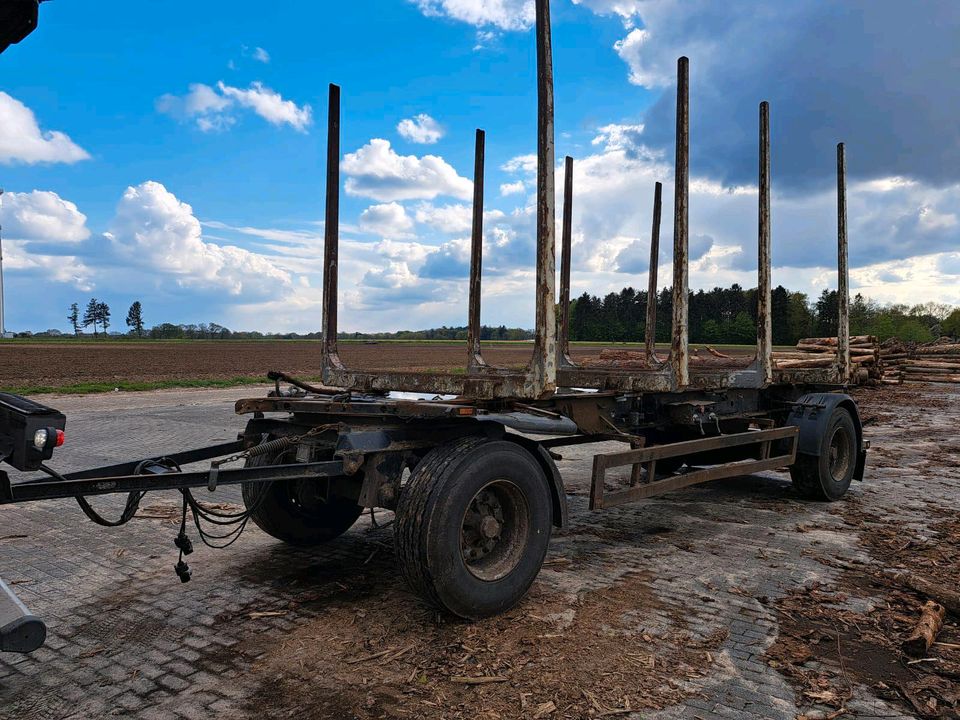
(948, 597)
(926, 631)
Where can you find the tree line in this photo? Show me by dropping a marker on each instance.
(729, 315)
(97, 314)
(720, 315)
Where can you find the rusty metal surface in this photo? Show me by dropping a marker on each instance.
(318, 406)
(543, 367)
(650, 335)
(764, 296)
(679, 350)
(331, 236)
(599, 498)
(843, 285)
(474, 356)
(566, 242)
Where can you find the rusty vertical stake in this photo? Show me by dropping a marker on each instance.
(331, 234)
(566, 242)
(651, 329)
(544, 362)
(474, 357)
(679, 347)
(843, 288)
(764, 296)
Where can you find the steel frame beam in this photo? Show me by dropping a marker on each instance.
(649, 456)
(47, 489)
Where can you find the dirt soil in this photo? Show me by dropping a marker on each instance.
(59, 364)
(387, 662)
(850, 633)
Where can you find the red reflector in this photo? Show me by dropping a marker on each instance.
(61, 437)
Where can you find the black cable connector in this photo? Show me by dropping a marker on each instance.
(183, 571)
(183, 543)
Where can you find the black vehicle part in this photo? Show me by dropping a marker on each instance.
(298, 512)
(558, 493)
(827, 475)
(20, 421)
(20, 631)
(473, 526)
(813, 412)
(532, 424)
(18, 18)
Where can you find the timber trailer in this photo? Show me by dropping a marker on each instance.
(469, 468)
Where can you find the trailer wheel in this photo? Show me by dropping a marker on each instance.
(297, 511)
(827, 476)
(473, 525)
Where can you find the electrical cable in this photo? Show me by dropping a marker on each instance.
(129, 510)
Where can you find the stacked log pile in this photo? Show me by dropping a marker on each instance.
(822, 352)
(938, 361)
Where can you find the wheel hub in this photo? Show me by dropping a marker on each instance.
(490, 528)
(482, 525)
(494, 529)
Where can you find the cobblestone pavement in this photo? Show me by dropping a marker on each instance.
(127, 639)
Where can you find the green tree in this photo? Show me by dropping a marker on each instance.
(74, 318)
(103, 314)
(91, 316)
(951, 324)
(135, 318)
(712, 331)
(743, 329)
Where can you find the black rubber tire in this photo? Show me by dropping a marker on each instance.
(279, 514)
(432, 512)
(816, 477)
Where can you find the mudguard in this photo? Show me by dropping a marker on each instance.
(557, 491)
(812, 412)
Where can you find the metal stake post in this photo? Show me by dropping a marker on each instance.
(331, 233)
(679, 348)
(474, 357)
(545, 343)
(566, 242)
(764, 297)
(843, 286)
(651, 329)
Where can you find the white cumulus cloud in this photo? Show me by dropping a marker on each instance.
(376, 171)
(513, 188)
(68, 269)
(43, 216)
(421, 129)
(154, 229)
(526, 164)
(269, 105)
(22, 140)
(504, 14)
(261, 55)
(389, 220)
(215, 108)
(627, 10)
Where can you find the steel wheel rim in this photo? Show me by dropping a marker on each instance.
(840, 454)
(494, 530)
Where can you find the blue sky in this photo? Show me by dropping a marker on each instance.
(185, 164)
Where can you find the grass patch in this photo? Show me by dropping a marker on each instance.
(86, 388)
